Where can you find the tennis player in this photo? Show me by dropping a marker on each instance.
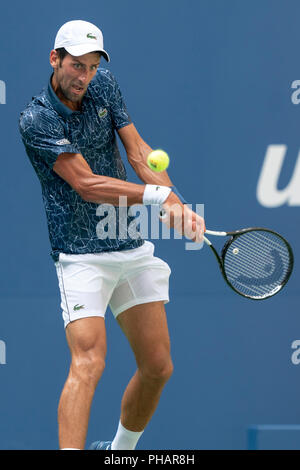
(69, 132)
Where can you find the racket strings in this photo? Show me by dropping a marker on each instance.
(256, 273)
(257, 263)
(250, 254)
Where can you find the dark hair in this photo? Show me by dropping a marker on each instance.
(62, 53)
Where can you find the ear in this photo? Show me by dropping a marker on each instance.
(54, 59)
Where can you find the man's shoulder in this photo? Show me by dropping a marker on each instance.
(103, 75)
(38, 110)
(103, 82)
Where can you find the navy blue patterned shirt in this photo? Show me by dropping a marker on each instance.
(49, 128)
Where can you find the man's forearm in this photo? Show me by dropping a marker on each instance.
(103, 189)
(138, 161)
(150, 177)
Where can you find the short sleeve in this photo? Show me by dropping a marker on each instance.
(118, 107)
(43, 134)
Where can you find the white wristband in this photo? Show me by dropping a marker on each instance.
(155, 194)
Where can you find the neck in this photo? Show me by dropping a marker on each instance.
(74, 106)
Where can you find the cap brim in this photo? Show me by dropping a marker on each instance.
(82, 49)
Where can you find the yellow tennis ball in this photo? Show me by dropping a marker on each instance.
(158, 160)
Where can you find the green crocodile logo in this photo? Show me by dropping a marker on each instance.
(102, 112)
(78, 307)
(90, 36)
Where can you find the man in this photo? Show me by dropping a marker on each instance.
(69, 134)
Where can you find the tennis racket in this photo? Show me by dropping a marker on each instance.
(255, 262)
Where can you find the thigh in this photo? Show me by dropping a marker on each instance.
(87, 336)
(146, 329)
(86, 285)
(145, 280)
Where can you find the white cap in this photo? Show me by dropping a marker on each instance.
(80, 37)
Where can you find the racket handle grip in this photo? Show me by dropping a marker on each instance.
(218, 234)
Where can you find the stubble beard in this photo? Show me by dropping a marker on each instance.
(70, 96)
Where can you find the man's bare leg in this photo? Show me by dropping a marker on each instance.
(87, 342)
(146, 329)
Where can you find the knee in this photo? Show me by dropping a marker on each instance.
(87, 368)
(159, 369)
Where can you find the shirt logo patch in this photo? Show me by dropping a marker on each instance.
(63, 142)
(102, 112)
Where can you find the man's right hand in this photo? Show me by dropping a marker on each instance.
(185, 221)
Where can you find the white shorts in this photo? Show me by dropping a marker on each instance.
(121, 279)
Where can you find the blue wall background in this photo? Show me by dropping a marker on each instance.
(210, 82)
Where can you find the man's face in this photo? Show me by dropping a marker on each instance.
(73, 74)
